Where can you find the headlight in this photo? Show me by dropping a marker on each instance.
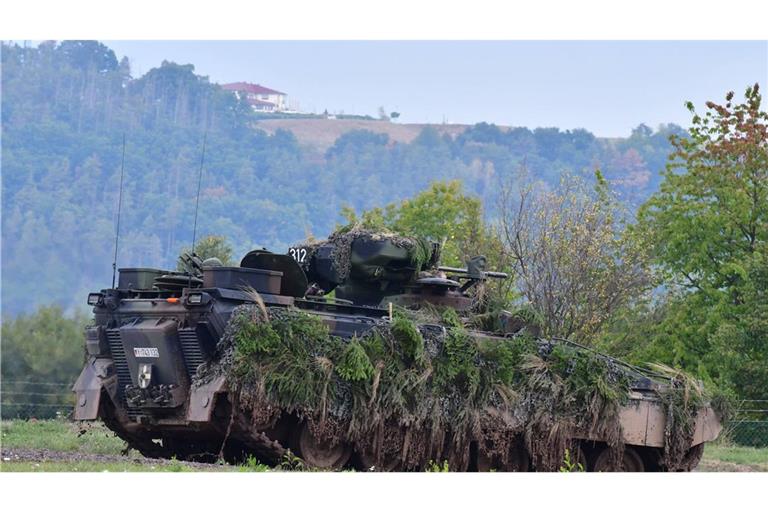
(96, 341)
(94, 299)
(195, 299)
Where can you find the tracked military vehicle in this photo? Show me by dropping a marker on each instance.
(185, 364)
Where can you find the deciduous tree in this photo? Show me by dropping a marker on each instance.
(709, 227)
(571, 258)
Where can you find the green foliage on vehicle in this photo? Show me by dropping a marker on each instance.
(438, 381)
(354, 364)
(408, 336)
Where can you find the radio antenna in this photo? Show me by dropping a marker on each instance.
(197, 204)
(199, 182)
(119, 208)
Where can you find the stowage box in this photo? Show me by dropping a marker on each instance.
(263, 281)
(138, 278)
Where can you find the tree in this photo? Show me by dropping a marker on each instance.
(357, 141)
(212, 246)
(709, 226)
(66, 106)
(84, 54)
(442, 212)
(641, 131)
(571, 258)
(42, 356)
(446, 214)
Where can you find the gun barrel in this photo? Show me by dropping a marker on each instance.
(455, 270)
(464, 271)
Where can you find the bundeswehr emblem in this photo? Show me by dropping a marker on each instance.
(145, 375)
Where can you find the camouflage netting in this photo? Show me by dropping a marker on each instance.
(342, 240)
(413, 392)
(683, 400)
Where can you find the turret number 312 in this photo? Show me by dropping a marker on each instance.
(298, 253)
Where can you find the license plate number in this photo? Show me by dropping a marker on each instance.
(146, 352)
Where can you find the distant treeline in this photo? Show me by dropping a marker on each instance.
(67, 105)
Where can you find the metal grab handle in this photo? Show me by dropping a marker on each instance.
(464, 271)
(321, 298)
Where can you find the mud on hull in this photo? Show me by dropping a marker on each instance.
(207, 428)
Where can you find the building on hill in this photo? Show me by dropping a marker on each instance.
(260, 98)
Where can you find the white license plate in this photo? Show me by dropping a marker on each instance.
(146, 352)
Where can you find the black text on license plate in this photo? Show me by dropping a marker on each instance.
(146, 352)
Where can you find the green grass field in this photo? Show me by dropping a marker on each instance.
(88, 448)
(722, 457)
(93, 448)
(60, 436)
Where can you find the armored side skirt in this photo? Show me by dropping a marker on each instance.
(643, 422)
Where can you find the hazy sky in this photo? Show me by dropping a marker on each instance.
(606, 87)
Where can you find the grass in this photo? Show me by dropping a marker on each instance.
(755, 458)
(60, 436)
(136, 465)
(90, 439)
(128, 466)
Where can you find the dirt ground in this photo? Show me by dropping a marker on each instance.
(18, 455)
(714, 465)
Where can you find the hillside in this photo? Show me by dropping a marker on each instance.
(66, 107)
(321, 134)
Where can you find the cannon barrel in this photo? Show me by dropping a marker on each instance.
(467, 272)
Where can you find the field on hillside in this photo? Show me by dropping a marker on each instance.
(56, 446)
(322, 133)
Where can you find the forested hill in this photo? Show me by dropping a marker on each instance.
(66, 107)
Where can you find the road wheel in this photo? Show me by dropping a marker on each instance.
(484, 463)
(321, 454)
(579, 459)
(518, 461)
(631, 462)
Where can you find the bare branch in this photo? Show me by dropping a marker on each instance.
(571, 260)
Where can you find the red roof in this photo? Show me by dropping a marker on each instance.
(251, 88)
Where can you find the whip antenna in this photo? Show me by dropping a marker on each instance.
(197, 204)
(119, 208)
(199, 182)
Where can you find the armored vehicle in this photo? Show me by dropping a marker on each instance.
(398, 373)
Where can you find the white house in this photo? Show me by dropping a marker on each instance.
(261, 99)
